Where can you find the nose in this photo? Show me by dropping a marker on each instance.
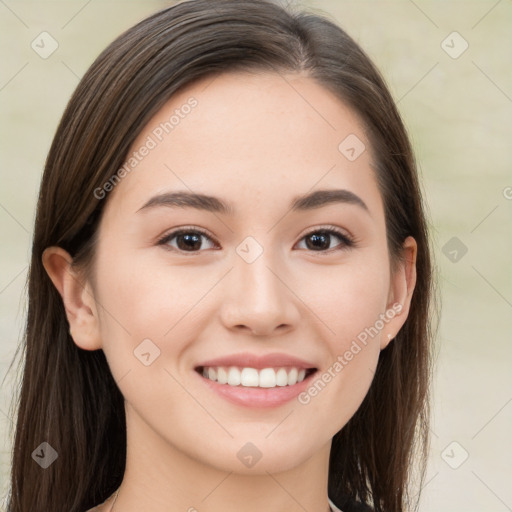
(259, 299)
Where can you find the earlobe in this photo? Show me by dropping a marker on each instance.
(403, 282)
(77, 296)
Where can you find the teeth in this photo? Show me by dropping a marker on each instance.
(222, 376)
(250, 377)
(233, 377)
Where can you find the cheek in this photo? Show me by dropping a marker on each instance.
(349, 298)
(349, 302)
(149, 299)
(140, 301)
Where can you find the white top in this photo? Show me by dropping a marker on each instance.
(334, 508)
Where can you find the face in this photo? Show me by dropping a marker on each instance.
(180, 283)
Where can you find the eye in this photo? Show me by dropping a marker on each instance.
(319, 240)
(191, 240)
(187, 239)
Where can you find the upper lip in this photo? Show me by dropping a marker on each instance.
(247, 360)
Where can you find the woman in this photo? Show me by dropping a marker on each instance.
(230, 279)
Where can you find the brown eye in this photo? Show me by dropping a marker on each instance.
(320, 240)
(187, 240)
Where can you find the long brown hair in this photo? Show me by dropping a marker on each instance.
(68, 397)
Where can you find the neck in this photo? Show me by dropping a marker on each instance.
(162, 478)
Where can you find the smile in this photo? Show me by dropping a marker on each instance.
(252, 377)
(254, 388)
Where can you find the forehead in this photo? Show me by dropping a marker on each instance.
(249, 138)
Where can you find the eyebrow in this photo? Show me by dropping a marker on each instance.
(310, 201)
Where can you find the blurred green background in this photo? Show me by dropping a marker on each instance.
(454, 91)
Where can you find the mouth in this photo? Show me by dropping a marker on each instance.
(247, 377)
(256, 380)
(256, 389)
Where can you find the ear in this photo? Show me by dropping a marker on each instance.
(403, 281)
(77, 296)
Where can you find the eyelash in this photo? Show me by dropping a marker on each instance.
(347, 241)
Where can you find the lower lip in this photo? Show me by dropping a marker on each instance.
(257, 397)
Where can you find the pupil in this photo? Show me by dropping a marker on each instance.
(319, 238)
(192, 242)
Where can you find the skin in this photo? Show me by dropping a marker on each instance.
(256, 141)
